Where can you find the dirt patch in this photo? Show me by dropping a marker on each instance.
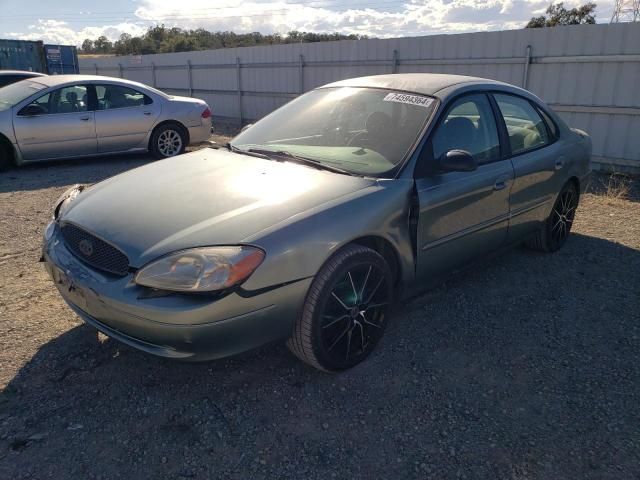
(524, 367)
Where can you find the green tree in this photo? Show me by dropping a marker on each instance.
(103, 45)
(559, 15)
(122, 46)
(87, 46)
(160, 39)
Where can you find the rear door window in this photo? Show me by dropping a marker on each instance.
(525, 126)
(117, 96)
(552, 127)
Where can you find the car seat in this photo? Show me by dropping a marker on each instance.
(70, 104)
(458, 133)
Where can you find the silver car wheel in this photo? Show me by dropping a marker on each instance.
(169, 143)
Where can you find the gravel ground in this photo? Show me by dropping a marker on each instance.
(524, 367)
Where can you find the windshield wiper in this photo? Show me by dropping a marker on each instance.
(283, 154)
(234, 149)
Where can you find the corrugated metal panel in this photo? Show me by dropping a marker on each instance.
(590, 72)
(22, 55)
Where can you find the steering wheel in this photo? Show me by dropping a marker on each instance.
(364, 140)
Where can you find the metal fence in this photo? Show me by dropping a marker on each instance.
(589, 74)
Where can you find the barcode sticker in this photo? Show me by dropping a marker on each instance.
(417, 100)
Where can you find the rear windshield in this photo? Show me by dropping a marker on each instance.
(16, 92)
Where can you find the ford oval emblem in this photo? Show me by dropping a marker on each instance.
(86, 247)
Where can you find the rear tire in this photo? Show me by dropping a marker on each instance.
(168, 140)
(344, 314)
(555, 231)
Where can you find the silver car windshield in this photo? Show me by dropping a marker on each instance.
(366, 131)
(16, 92)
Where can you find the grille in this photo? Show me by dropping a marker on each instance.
(94, 251)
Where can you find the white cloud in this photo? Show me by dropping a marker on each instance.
(60, 32)
(382, 19)
(387, 19)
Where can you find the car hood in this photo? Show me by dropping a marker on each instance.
(208, 197)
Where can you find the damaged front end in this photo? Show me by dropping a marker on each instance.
(59, 207)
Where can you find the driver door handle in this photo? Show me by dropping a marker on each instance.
(84, 119)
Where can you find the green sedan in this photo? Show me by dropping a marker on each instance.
(312, 222)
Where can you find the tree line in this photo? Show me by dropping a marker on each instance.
(160, 39)
(559, 15)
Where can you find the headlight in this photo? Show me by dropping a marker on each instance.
(49, 229)
(65, 199)
(201, 269)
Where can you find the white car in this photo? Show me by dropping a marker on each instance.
(71, 116)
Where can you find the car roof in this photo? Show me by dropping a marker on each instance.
(423, 83)
(56, 80)
(22, 72)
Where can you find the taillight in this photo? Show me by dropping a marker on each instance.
(206, 113)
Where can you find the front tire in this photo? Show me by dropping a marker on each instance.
(6, 156)
(553, 235)
(168, 140)
(345, 312)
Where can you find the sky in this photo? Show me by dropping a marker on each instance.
(71, 21)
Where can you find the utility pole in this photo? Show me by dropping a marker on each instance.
(626, 11)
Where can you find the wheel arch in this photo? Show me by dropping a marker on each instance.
(169, 122)
(576, 183)
(10, 148)
(387, 250)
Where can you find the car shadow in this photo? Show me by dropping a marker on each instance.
(509, 368)
(61, 173)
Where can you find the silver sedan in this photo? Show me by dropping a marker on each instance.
(71, 116)
(315, 219)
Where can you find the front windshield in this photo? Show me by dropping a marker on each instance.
(16, 92)
(366, 131)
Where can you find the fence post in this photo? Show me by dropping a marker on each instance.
(527, 62)
(394, 65)
(190, 72)
(153, 74)
(121, 70)
(301, 74)
(239, 87)
(96, 67)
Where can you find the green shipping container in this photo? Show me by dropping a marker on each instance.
(22, 55)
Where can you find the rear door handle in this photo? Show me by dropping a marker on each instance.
(501, 184)
(147, 113)
(84, 119)
(559, 163)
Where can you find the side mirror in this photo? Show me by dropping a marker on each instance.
(457, 161)
(31, 110)
(246, 127)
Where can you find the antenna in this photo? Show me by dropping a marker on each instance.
(626, 11)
